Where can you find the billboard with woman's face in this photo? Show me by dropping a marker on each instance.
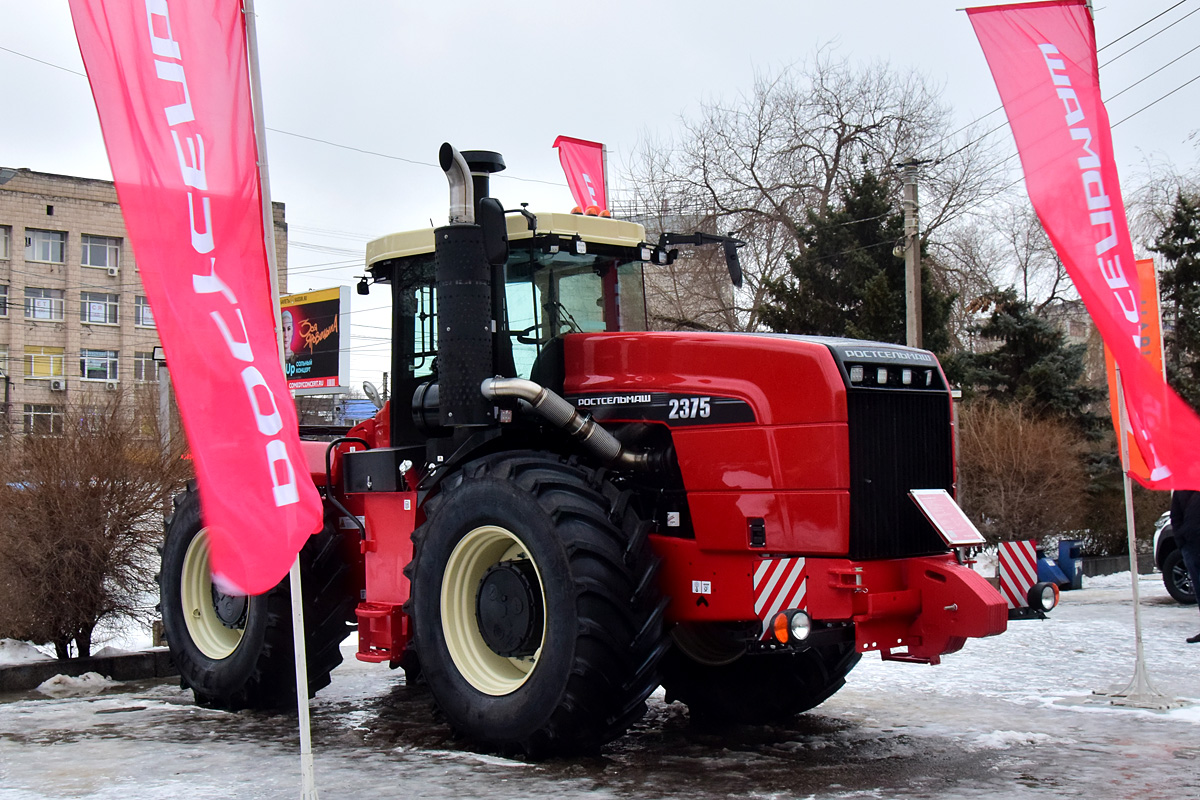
(313, 337)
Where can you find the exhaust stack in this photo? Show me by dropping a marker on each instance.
(462, 189)
(465, 323)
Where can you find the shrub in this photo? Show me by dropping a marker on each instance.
(80, 515)
(1021, 476)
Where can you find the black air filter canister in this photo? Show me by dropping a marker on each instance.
(464, 323)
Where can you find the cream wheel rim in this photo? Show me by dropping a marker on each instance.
(480, 666)
(214, 638)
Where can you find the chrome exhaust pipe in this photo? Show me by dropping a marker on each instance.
(562, 414)
(462, 190)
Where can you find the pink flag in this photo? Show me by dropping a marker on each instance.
(1043, 59)
(583, 162)
(172, 89)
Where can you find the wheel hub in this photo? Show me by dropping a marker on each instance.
(508, 609)
(230, 609)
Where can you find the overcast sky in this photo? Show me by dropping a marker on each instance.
(399, 78)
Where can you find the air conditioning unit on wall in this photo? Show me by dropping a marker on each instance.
(58, 384)
(111, 386)
(114, 272)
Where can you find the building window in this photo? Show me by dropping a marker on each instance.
(101, 251)
(143, 315)
(99, 308)
(43, 362)
(145, 368)
(43, 303)
(5, 237)
(98, 365)
(3, 360)
(40, 419)
(3, 301)
(47, 246)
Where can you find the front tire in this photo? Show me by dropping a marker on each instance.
(537, 617)
(237, 652)
(722, 683)
(1176, 578)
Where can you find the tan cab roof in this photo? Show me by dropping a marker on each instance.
(601, 230)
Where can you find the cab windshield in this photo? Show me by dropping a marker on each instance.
(548, 292)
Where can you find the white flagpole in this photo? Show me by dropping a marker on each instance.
(307, 778)
(1139, 692)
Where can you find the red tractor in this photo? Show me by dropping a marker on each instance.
(558, 511)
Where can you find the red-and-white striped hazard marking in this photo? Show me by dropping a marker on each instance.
(779, 583)
(1018, 572)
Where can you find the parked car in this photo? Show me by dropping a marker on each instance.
(1170, 561)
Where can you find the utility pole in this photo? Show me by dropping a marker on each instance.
(914, 333)
(385, 387)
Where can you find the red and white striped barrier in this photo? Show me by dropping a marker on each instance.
(1018, 572)
(779, 584)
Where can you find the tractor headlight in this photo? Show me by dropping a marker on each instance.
(800, 626)
(791, 627)
(1043, 596)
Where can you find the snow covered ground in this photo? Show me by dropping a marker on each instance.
(1012, 716)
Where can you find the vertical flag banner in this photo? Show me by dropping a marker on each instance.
(171, 84)
(1152, 350)
(583, 163)
(1043, 59)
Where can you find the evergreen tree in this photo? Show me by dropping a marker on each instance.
(1033, 365)
(845, 281)
(1179, 243)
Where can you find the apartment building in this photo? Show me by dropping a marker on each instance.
(74, 318)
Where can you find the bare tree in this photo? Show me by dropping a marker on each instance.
(756, 165)
(1150, 199)
(80, 515)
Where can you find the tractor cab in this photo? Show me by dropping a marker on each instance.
(563, 273)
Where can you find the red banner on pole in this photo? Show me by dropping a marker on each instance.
(583, 162)
(1152, 343)
(171, 84)
(1043, 59)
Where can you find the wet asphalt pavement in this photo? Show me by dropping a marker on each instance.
(1008, 717)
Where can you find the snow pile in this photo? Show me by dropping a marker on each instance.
(86, 684)
(106, 652)
(14, 652)
(1002, 740)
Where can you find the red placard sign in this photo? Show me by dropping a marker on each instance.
(955, 528)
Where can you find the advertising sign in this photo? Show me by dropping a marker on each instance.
(313, 336)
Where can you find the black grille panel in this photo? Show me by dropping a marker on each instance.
(899, 440)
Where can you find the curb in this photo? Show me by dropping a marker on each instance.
(125, 667)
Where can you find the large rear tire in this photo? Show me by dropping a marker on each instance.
(720, 686)
(237, 652)
(537, 617)
(1176, 578)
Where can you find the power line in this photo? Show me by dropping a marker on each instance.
(1159, 100)
(1152, 74)
(1151, 36)
(1139, 27)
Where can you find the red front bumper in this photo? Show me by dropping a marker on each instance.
(911, 609)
